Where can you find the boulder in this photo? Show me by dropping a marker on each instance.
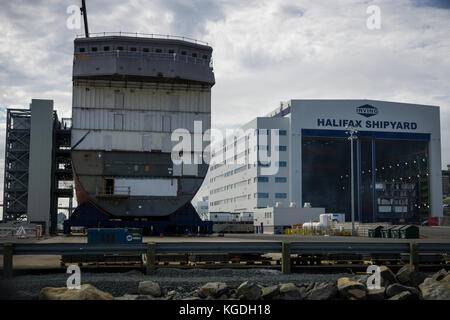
(270, 293)
(403, 275)
(191, 298)
(408, 276)
(322, 291)
(446, 281)
(213, 289)
(135, 297)
(387, 276)
(289, 291)
(438, 276)
(149, 288)
(404, 295)
(86, 292)
(356, 294)
(434, 290)
(345, 284)
(249, 291)
(396, 288)
(376, 294)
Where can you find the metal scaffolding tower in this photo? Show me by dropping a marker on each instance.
(17, 155)
(17, 167)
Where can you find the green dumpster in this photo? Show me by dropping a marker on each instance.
(395, 232)
(410, 232)
(386, 232)
(375, 232)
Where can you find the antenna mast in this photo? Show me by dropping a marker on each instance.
(84, 13)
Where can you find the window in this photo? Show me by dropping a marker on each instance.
(281, 148)
(205, 56)
(133, 49)
(171, 51)
(282, 164)
(105, 48)
(280, 179)
(81, 50)
(261, 164)
(282, 132)
(280, 195)
(119, 48)
(158, 50)
(261, 195)
(94, 49)
(194, 55)
(262, 179)
(183, 53)
(145, 50)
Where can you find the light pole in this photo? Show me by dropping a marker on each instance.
(352, 136)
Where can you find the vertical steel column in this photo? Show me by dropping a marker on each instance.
(286, 257)
(352, 177)
(5, 171)
(374, 191)
(151, 258)
(414, 255)
(8, 260)
(359, 178)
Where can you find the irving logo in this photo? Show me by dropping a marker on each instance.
(367, 110)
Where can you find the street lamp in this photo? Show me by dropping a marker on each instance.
(351, 131)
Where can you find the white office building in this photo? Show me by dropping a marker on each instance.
(300, 153)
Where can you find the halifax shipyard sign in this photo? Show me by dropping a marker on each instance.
(366, 111)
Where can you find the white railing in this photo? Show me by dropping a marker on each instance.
(142, 35)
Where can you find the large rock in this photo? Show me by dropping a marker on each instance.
(270, 293)
(408, 276)
(289, 291)
(321, 291)
(403, 275)
(356, 294)
(135, 297)
(376, 294)
(86, 292)
(345, 284)
(446, 281)
(213, 289)
(438, 276)
(396, 288)
(434, 290)
(404, 295)
(387, 276)
(249, 291)
(149, 288)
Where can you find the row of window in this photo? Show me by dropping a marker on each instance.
(265, 195)
(144, 50)
(246, 182)
(247, 138)
(266, 179)
(280, 164)
(259, 195)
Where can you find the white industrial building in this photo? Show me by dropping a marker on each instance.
(306, 158)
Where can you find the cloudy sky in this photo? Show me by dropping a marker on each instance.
(265, 51)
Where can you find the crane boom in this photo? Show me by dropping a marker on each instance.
(84, 13)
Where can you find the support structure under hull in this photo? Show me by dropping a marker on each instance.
(182, 222)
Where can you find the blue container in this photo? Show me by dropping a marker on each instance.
(114, 235)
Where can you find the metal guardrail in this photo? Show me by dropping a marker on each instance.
(219, 247)
(347, 248)
(142, 35)
(226, 247)
(416, 251)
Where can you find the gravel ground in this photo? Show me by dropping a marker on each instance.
(28, 286)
